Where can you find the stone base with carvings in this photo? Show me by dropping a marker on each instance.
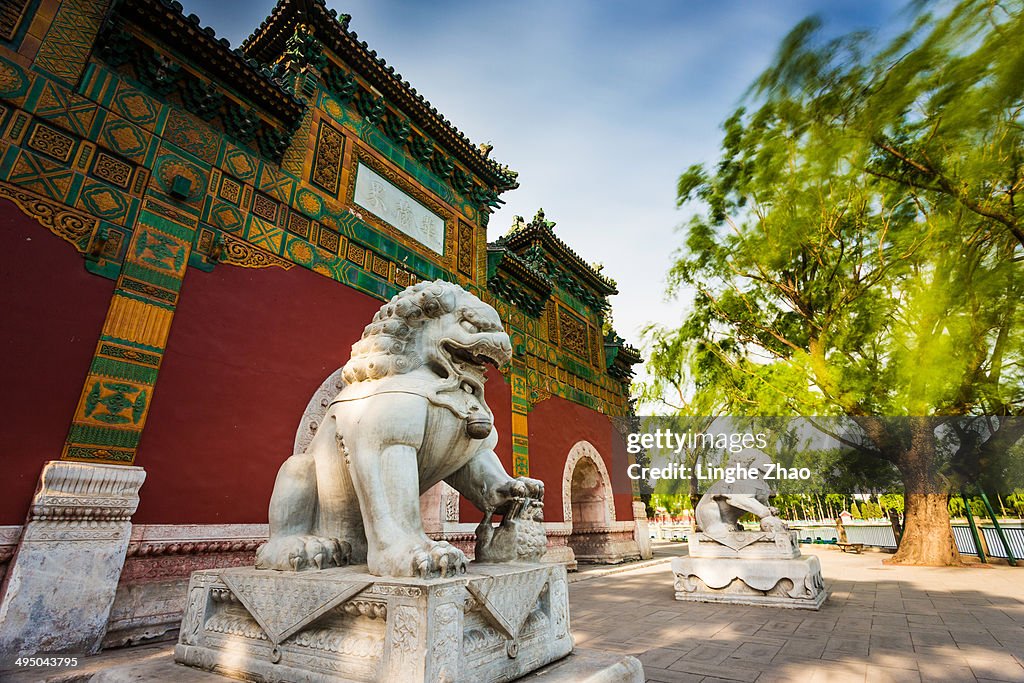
(746, 544)
(642, 532)
(161, 558)
(560, 554)
(776, 582)
(496, 623)
(605, 545)
(61, 581)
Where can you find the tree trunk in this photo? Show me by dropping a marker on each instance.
(694, 493)
(927, 534)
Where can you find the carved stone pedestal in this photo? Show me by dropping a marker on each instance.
(759, 568)
(496, 623)
(612, 544)
(61, 583)
(642, 532)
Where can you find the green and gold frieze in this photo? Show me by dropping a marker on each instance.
(148, 166)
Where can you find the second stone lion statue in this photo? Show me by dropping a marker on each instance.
(411, 413)
(719, 510)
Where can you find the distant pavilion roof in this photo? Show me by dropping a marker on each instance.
(540, 230)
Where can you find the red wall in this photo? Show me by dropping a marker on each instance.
(247, 350)
(498, 393)
(555, 426)
(53, 312)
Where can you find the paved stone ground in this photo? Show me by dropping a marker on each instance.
(880, 624)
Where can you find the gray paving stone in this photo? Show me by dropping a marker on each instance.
(660, 658)
(885, 674)
(664, 676)
(881, 623)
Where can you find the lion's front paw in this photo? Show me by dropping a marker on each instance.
(534, 487)
(300, 552)
(516, 490)
(438, 559)
(773, 524)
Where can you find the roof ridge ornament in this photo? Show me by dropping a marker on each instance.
(540, 221)
(518, 224)
(303, 50)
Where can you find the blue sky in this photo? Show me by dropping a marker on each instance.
(599, 105)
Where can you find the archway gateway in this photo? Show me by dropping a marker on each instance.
(588, 505)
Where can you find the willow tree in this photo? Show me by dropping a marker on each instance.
(673, 376)
(857, 250)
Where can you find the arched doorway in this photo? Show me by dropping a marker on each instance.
(588, 495)
(589, 509)
(586, 488)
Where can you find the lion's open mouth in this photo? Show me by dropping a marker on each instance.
(480, 354)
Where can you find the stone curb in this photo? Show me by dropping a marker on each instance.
(576, 577)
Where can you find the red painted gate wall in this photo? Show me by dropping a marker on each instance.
(247, 350)
(555, 426)
(53, 310)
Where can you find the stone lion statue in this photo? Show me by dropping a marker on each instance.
(410, 413)
(718, 512)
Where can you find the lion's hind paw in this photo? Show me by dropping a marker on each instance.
(301, 552)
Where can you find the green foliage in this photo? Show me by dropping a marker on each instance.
(957, 509)
(855, 511)
(836, 503)
(1016, 501)
(671, 488)
(858, 248)
(804, 506)
(675, 504)
(892, 501)
(870, 510)
(956, 506)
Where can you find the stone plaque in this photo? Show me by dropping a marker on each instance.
(380, 197)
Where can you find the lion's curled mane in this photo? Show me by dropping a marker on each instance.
(386, 347)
